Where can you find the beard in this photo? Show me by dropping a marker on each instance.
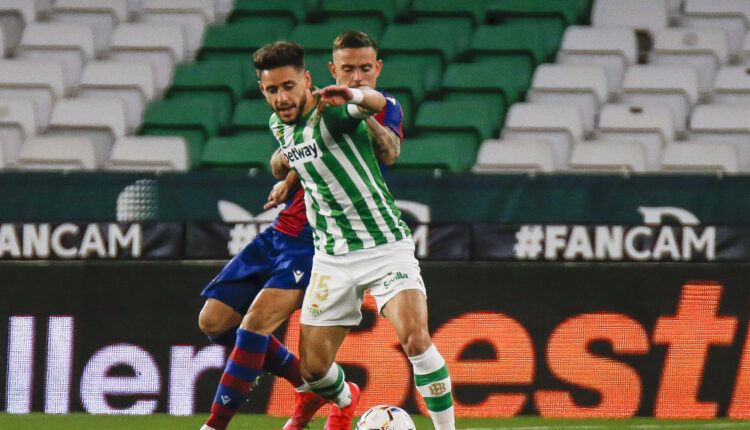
(299, 106)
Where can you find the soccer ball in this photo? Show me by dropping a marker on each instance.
(384, 417)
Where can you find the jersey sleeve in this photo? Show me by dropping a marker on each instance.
(277, 130)
(392, 116)
(343, 119)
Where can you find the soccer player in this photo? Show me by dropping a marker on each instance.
(265, 282)
(360, 241)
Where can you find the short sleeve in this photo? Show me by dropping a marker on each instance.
(392, 116)
(339, 119)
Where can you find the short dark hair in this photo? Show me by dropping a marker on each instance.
(354, 39)
(279, 54)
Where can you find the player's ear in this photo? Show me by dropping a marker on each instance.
(308, 79)
(378, 67)
(332, 69)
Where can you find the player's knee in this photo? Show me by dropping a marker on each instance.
(211, 324)
(416, 342)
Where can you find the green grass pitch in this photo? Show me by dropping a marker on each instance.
(261, 422)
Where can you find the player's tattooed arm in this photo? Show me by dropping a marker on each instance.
(279, 165)
(367, 100)
(386, 143)
(282, 190)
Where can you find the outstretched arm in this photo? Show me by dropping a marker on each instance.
(386, 143)
(282, 190)
(366, 100)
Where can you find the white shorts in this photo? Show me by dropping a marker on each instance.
(338, 282)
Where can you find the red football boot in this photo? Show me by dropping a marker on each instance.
(306, 404)
(341, 419)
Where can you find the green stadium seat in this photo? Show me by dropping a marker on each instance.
(452, 152)
(385, 10)
(472, 9)
(427, 66)
(431, 38)
(284, 24)
(195, 121)
(472, 116)
(318, 38)
(551, 28)
(251, 115)
(295, 10)
(251, 149)
(317, 64)
(406, 82)
(221, 82)
(569, 12)
(511, 41)
(502, 79)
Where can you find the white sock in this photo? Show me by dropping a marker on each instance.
(332, 387)
(434, 384)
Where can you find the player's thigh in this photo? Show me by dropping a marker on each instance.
(318, 348)
(407, 312)
(217, 317)
(270, 309)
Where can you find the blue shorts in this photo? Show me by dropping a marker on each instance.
(272, 260)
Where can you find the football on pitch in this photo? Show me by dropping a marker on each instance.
(385, 417)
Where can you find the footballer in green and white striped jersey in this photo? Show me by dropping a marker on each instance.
(348, 203)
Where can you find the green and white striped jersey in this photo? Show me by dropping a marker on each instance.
(348, 204)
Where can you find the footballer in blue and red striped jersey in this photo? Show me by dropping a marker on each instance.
(281, 256)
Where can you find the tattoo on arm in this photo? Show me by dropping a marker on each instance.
(386, 143)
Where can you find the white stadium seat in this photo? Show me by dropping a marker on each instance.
(42, 83)
(14, 16)
(615, 49)
(583, 85)
(4, 51)
(608, 156)
(706, 49)
(730, 15)
(561, 125)
(504, 156)
(57, 153)
(651, 126)
(673, 86)
(648, 16)
(151, 154)
(192, 15)
(17, 123)
(133, 83)
(675, 7)
(697, 157)
(715, 123)
(732, 86)
(223, 9)
(162, 46)
(102, 121)
(102, 15)
(71, 45)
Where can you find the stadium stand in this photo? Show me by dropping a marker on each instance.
(651, 126)
(149, 154)
(42, 83)
(17, 123)
(723, 124)
(730, 15)
(732, 86)
(510, 156)
(608, 156)
(57, 153)
(102, 15)
(14, 16)
(193, 16)
(700, 157)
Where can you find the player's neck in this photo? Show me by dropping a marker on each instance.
(312, 102)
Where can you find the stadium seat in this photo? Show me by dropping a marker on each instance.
(673, 86)
(425, 39)
(561, 125)
(4, 49)
(723, 124)
(102, 15)
(133, 83)
(647, 16)
(17, 123)
(222, 83)
(249, 149)
(470, 9)
(706, 49)
(462, 116)
(193, 16)
(385, 10)
(507, 156)
(401, 80)
(730, 15)
(14, 16)
(251, 115)
(509, 40)
(615, 49)
(744, 55)
(652, 126)
(58, 153)
(700, 157)
(71, 45)
(317, 64)
(437, 152)
(583, 85)
(42, 83)
(195, 122)
(151, 154)
(294, 10)
(162, 46)
(499, 81)
(101, 121)
(732, 86)
(568, 12)
(318, 38)
(608, 156)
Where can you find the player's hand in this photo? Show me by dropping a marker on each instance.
(334, 95)
(279, 194)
